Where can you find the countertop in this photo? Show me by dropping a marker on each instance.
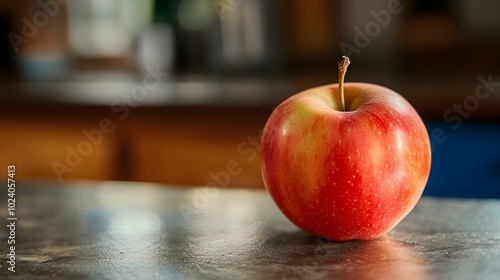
(116, 230)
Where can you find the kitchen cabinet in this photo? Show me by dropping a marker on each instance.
(176, 145)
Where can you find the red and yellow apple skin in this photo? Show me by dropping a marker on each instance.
(345, 175)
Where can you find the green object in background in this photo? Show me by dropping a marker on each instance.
(165, 11)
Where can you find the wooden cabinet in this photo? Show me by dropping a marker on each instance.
(50, 144)
(175, 145)
(196, 145)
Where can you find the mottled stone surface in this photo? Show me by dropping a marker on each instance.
(140, 231)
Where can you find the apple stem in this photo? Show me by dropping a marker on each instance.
(343, 63)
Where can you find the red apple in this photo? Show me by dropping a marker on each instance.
(345, 174)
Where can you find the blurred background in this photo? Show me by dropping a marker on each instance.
(177, 92)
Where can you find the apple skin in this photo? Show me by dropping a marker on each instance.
(345, 175)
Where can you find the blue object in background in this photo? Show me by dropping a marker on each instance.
(467, 163)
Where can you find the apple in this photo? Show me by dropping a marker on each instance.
(345, 161)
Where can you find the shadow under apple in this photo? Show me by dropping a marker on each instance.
(382, 258)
